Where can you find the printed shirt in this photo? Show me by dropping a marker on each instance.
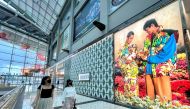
(161, 53)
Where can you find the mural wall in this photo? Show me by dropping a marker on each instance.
(150, 61)
(97, 60)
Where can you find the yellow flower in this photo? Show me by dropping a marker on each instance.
(179, 56)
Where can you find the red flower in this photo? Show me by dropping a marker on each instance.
(179, 89)
(119, 81)
(121, 89)
(142, 86)
(132, 88)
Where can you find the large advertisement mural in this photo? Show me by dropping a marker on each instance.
(151, 67)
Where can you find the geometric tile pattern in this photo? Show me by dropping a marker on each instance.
(97, 60)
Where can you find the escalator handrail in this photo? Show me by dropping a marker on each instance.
(6, 97)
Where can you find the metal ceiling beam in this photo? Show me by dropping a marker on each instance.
(36, 32)
(22, 31)
(10, 18)
(60, 15)
(26, 26)
(22, 15)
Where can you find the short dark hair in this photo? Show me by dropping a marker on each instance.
(44, 79)
(149, 22)
(130, 33)
(69, 83)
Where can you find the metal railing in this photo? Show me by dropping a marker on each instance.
(8, 100)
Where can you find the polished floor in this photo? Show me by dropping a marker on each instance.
(82, 101)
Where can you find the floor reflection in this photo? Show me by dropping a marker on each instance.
(82, 101)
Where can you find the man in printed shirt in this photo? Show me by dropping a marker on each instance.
(161, 48)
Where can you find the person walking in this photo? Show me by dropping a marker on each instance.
(44, 97)
(69, 95)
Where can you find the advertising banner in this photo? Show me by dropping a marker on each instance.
(151, 67)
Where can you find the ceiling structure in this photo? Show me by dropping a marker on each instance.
(35, 18)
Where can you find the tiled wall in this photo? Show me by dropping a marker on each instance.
(97, 60)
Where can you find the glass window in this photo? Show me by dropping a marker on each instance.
(16, 71)
(20, 39)
(22, 5)
(31, 55)
(19, 52)
(40, 17)
(52, 3)
(65, 38)
(18, 58)
(53, 7)
(17, 46)
(15, 1)
(6, 49)
(30, 61)
(42, 12)
(43, 52)
(34, 16)
(2, 42)
(61, 2)
(35, 13)
(43, 49)
(29, 2)
(40, 62)
(17, 65)
(43, 66)
(4, 63)
(40, 22)
(54, 17)
(65, 18)
(29, 65)
(47, 15)
(76, 2)
(32, 49)
(5, 56)
(29, 9)
(14, 58)
(47, 21)
(36, 7)
(4, 71)
(52, 21)
(11, 38)
(43, 5)
(32, 42)
(54, 52)
(42, 45)
(57, 9)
